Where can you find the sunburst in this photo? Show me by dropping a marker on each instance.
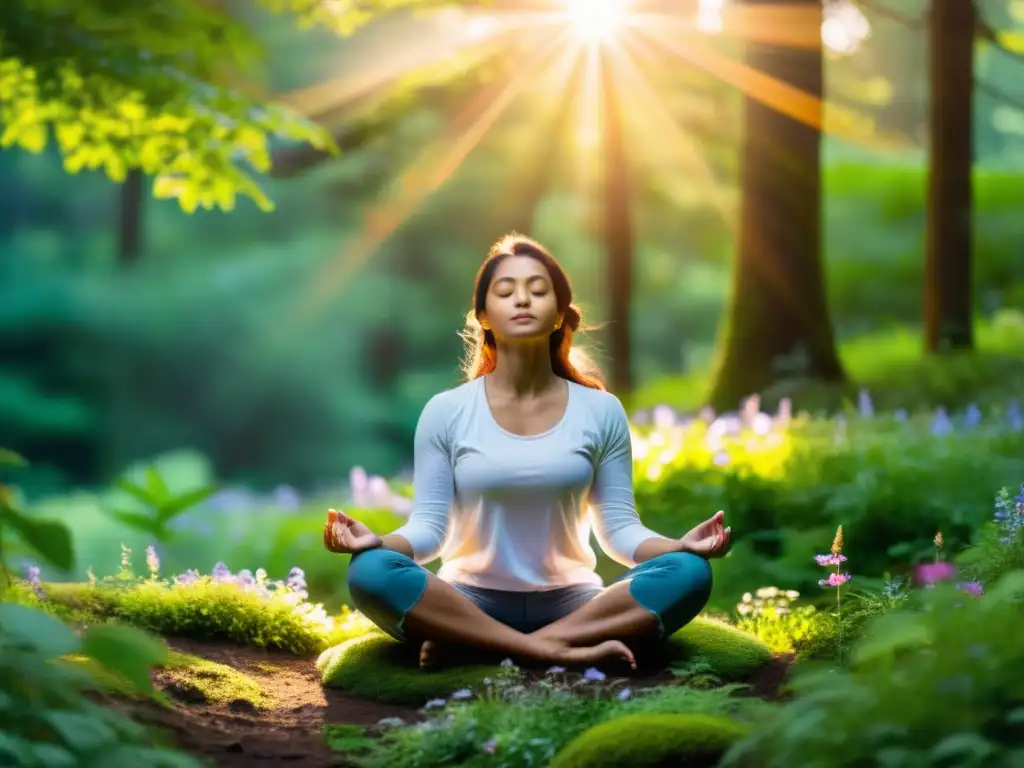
(611, 35)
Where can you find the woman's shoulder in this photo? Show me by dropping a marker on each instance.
(601, 404)
(448, 402)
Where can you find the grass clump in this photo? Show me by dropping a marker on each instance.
(651, 741)
(243, 608)
(517, 722)
(216, 683)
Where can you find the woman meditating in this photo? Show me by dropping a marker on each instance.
(511, 469)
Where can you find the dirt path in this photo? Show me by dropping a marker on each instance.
(236, 733)
(288, 729)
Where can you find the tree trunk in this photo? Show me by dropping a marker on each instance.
(778, 324)
(618, 235)
(129, 248)
(948, 314)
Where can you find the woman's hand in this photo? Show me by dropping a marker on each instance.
(709, 539)
(346, 536)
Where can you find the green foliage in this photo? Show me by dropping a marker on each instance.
(123, 86)
(936, 683)
(648, 741)
(511, 721)
(51, 539)
(48, 718)
(160, 503)
(1000, 547)
(891, 485)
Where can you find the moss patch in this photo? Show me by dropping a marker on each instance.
(379, 668)
(646, 741)
(732, 654)
(212, 682)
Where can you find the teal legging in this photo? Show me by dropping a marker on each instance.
(386, 585)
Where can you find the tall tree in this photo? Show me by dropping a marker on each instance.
(948, 312)
(778, 324)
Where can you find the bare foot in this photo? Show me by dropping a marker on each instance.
(429, 655)
(609, 649)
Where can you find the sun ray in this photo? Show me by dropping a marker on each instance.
(783, 97)
(428, 173)
(667, 140)
(794, 26)
(476, 43)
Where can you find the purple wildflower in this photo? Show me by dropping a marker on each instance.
(491, 746)
(245, 578)
(152, 561)
(221, 573)
(593, 675)
(941, 424)
(624, 694)
(829, 560)
(33, 572)
(297, 582)
(972, 588)
(191, 576)
(835, 579)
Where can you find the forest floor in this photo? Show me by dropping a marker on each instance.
(283, 724)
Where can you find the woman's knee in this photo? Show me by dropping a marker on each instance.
(385, 585)
(691, 574)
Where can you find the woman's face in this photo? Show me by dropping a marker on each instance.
(521, 303)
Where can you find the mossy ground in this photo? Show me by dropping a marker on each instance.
(381, 669)
(651, 741)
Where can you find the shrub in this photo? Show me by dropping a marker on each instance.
(244, 608)
(47, 717)
(1000, 548)
(786, 483)
(938, 682)
(650, 741)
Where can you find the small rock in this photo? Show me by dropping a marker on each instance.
(185, 693)
(242, 706)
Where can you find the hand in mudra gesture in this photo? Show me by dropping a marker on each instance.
(347, 536)
(709, 539)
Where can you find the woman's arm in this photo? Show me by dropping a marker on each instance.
(621, 534)
(433, 487)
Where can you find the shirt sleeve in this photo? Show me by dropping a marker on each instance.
(617, 525)
(433, 483)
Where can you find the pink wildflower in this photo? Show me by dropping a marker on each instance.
(932, 573)
(835, 580)
(972, 588)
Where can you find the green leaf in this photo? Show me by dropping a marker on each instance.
(15, 747)
(52, 756)
(135, 491)
(35, 630)
(184, 502)
(50, 538)
(137, 520)
(80, 732)
(1010, 588)
(889, 634)
(961, 745)
(127, 651)
(11, 459)
(157, 487)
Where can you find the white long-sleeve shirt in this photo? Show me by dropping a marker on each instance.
(510, 512)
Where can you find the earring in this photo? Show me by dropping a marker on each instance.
(558, 324)
(484, 325)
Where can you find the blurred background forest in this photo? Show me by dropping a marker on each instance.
(287, 346)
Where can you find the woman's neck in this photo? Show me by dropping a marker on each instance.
(523, 370)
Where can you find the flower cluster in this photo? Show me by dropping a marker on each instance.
(766, 601)
(928, 575)
(834, 559)
(1009, 514)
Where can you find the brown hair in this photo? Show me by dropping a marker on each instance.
(569, 362)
